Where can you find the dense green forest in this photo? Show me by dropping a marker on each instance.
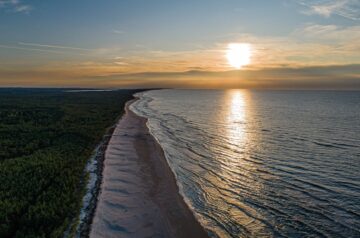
(46, 137)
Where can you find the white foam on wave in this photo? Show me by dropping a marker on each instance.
(138, 107)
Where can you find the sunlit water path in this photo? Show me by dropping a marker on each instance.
(263, 163)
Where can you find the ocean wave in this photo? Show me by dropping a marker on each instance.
(241, 180)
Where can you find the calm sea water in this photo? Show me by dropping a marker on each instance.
(263, 163)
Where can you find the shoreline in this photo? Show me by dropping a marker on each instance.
(94, 170)
(138, 195)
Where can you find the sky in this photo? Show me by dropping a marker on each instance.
(295, 44)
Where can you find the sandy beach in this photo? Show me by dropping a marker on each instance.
(139, 196)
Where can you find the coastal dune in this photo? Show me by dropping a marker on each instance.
(139, 195)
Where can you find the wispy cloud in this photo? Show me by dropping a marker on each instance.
(118, 32)
(71, 50)
(53, 46)
(37, 50)
(328, 33)
(349, 9)
(120, 63)
(15, 6)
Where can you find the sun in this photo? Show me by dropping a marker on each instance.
(238, 54)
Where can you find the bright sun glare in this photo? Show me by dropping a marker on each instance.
(238, 54)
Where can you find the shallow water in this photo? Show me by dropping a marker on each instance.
(263, 163)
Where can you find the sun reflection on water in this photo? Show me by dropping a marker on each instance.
(237, 166)
(236, 118)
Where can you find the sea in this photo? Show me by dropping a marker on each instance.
(253, 163)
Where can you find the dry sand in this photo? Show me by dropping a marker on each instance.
(139, 196)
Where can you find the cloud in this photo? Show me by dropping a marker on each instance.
(15, 6)
(349, 9)
(344, 77)
(331, 33)
(314, 77)
(120, 63)
(53, 46)
(329, 8)
(316, 30)
(38, 50)
(311, 44)
(22, 8)
(118, 32)
(337, 42)
(52, 49)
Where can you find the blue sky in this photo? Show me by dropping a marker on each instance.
(113, 37)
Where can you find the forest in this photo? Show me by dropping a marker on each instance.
(46, 138)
